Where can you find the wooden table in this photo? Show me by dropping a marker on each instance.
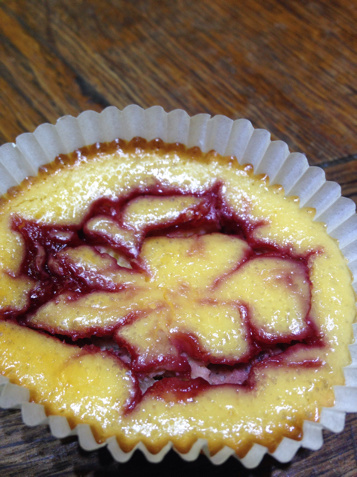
(289, 67)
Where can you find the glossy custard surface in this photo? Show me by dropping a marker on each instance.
(161, 294)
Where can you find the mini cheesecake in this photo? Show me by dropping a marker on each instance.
(161, 294)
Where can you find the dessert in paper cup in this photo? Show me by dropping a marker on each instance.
(175, 282)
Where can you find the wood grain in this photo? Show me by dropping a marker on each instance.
(289, 67)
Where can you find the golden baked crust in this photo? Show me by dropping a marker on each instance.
(162, 294)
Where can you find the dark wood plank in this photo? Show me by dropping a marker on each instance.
(287, 67)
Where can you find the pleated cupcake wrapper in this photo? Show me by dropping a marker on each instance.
(230, 138)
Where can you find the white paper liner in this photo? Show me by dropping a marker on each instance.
(227, 137)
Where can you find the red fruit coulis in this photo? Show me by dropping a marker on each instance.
(190, 369)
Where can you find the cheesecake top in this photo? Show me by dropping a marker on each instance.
(159, 293)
